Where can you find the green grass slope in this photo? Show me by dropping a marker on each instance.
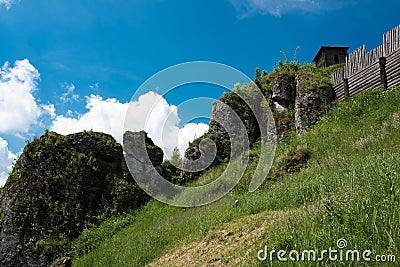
(349, 189)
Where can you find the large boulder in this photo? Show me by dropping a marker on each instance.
(58, 184)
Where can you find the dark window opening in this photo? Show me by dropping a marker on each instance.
(336, 59)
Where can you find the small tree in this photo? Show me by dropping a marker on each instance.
(176, 158)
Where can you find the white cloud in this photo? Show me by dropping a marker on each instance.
(161, 121)
(6, 160)
(188, 133)
(49, 109)
(69, 95)
(247, 8)
(7, 3)
(103, 115)
(151, 113)
(94, 86)
(18, 107)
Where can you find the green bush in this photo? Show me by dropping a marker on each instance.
(172, 173)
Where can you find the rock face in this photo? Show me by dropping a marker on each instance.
(222, 116)
(230, 115)
(299, 100)
(283, 99)
(143, 158)
(208, 150)
(311, 103)
(56, 185)
(284, 92)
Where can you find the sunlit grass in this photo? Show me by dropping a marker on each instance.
(348, 189)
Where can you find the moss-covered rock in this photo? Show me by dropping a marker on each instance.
(57, 186)
(314, 97)
(231, 113)
(202, 156)
(284, 92)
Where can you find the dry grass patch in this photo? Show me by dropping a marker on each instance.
(235, 243)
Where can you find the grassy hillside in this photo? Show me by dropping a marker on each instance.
(349, 189)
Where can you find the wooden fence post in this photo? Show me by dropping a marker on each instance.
(382, 70)
(346, 87)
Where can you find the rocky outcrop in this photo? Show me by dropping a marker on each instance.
(231, 119)
(223, 115)
(144, 159)
(312, 101)
(284, 92)
(300, 97)
(208, 150)
(300, 100)
(57, 185)
(283, 98)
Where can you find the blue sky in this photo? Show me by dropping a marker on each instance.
(73, 65)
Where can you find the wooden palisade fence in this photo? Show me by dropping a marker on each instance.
(379, 67)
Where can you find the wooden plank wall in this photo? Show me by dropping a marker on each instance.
(338, 84)
(339, 90)
(393, 69)
(391, 40)
(362, 68)
(355, 61)
(368, 77)
(338, 77)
